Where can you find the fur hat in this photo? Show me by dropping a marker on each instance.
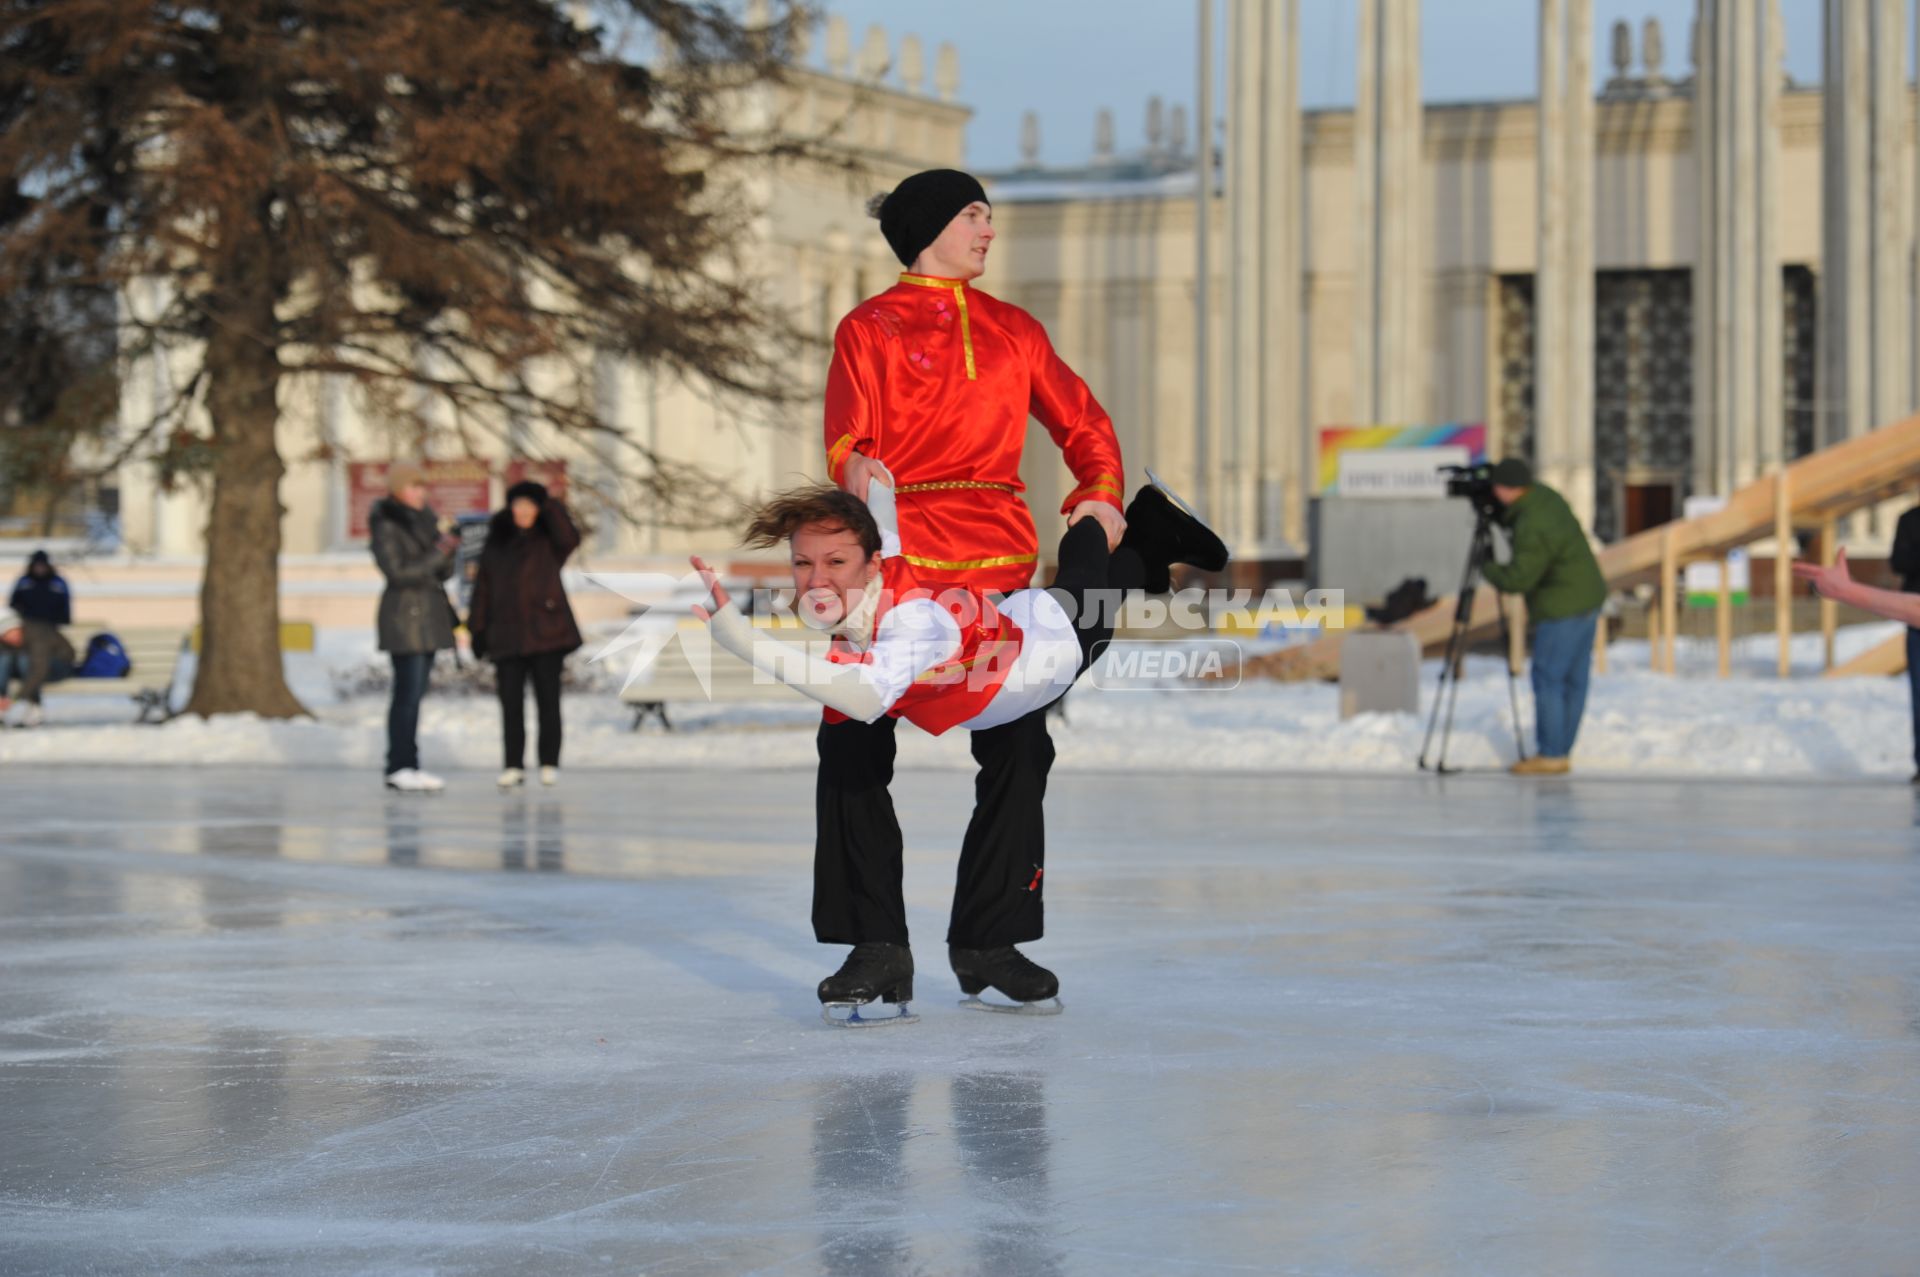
(914, 213)
(527, 490)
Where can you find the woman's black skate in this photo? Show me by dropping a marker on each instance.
(875, 971)
(1034, 989)
(1166, 531)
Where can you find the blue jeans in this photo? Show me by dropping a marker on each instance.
(1913, 689)
(403, 712)
(1562, 656)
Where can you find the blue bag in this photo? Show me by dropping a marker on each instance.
(105, 658)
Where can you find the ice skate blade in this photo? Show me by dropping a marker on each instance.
(1046, 1006)
(846, 1015)
(1174, 497)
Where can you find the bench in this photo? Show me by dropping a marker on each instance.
(669, 678)
(157, 655)
(154, 652)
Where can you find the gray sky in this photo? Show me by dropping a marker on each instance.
(1067, 58)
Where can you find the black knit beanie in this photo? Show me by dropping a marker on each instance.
(916, 211)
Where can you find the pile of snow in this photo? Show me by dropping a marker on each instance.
(1637, 723)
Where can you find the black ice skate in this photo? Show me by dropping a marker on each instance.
(1034, 989)
(1166, 531)
(874, 971)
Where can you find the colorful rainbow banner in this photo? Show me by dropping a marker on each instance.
(1335, 440)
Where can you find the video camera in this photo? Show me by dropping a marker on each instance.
(1475, 483)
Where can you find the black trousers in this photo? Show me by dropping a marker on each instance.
(998, 887)
(857, 847)
(511, 675)
(1913, 690)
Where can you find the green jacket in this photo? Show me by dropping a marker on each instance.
(1551, 563)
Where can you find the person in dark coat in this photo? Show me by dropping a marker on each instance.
(42, 594)
(1905, 562)
(521, 621)
(42, 604)
(415, 554)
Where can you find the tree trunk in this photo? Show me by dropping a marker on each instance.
(240, 669)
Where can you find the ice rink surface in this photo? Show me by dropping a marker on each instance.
(281, 1022)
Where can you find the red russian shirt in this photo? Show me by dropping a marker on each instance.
(936, 379)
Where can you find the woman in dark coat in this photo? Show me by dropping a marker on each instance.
(521, 621)
(415, 555)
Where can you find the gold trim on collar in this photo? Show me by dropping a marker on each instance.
(931, 281)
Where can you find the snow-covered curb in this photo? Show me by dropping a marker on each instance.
(1637, 723)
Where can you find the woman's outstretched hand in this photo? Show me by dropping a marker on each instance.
(1825, 580)
(715, 591)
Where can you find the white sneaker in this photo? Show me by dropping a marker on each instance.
(414, 781)
(512, 778)
(33, 717)
(549, 775)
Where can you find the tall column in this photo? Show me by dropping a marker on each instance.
(1366, 215)
(1578, 442)
(1550, 232)
(1739, 423)
(1768, 444)
(1864, 378)
(1563, 277)
(1264, 459)
(1892, 394)
(1204, 426)
(1240, 163)
(1286, 445)
(1390, 182)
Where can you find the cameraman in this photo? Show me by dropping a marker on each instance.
(1553, 566)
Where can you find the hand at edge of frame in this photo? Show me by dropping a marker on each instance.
(716, 591)
(1826, 579)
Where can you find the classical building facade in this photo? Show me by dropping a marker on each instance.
(1641, 291)
(1653, 292)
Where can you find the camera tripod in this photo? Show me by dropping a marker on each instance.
(1478, 553)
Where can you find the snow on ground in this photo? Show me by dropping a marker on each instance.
(1637, 723)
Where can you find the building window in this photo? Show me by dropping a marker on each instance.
(1516, 366)
(1797, 331)
(1643, 398)
(1643, 387)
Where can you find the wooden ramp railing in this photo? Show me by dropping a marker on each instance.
(1813, 492)
(1881, 659)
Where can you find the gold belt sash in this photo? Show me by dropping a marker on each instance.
(949, 485)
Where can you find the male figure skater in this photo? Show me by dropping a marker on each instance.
(931, 384)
